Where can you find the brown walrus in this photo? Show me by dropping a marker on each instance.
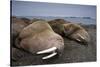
(70, 30)
(35, 19)
(39, 38)
(77, 33)
(57, 25)
(26, 20)
(17, 25)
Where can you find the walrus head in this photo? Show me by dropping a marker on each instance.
(77, 33)
(39, 38)
(70, 30)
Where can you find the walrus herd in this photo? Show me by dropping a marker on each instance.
(41, 36)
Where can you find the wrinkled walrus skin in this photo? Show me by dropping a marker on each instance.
(39, 36)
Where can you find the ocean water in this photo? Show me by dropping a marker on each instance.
(82, 20)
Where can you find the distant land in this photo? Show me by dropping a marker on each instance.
(80, 20)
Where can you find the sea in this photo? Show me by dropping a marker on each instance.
(81, 20)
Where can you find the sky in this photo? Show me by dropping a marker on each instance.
(23, 8)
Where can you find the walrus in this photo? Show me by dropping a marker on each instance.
(35, 19)
(39, 38)
(17, 25)
(70, 30)
(77, 33)
(57, 25)
(58, 21)
(26, 20)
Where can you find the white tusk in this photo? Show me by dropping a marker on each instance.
(49, 56)
(78, 39)
(47, 50)
(81, 36)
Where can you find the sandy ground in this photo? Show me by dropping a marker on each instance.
(73, 52)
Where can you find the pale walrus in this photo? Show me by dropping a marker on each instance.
(39, 38)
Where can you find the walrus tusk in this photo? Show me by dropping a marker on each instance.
(47, 50)
(81, 36)
(49, 56)
(78, 40)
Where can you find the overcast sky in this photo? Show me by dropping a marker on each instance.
(22, 8)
